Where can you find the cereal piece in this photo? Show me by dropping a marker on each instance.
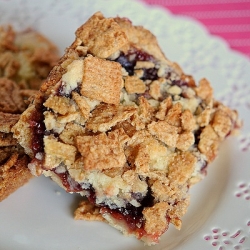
(127, 127)
(165, 105)
(185, 140)
(101, 152)
(82, 104)
(7, 121)
(88, 211)
(120, 135)
(203, 118)
(134, 84)
(204, 90)
(165, 132)
(209, 143)
(221, 123)
(59, 104)
(70, 132)
(25, 128)
(173, 116)
(155, 90)
(52, 123)
(188, 121)
(146, 111)
(106, 116)
(181, 167)
(139, 37)
(156, 219)
(6, 139)
(101, 80)
(102, 36)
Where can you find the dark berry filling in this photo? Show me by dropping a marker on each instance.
(70, 184)
(150, 74)
(37, 125)
(126, 63)
(134, 221)
(179, 83)
(204, 169)
(129, 60)
(61, 91)
(130, 214)
(197, 134)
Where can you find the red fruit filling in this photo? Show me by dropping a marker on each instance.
(38, 129)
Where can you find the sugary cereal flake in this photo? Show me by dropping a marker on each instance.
(204, 117)
(204, 90)
(146, 111)
(55, 157)
(181, 167)
(209, 143)
(173, 116)
(82, 104)
(6, 139)
(102, 36)
(70, 132)
(88, 211)
(188, 121)
(102, 80)
(185, 140)
(7, 121)
(221, 123)
(156, 220)
(101, 152)
(165, 105)
(60, 104)
(106, 116)
(155, 89)
(165, 132)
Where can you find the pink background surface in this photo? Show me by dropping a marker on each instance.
(229, 19)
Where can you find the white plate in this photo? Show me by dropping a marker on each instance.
(40, 215)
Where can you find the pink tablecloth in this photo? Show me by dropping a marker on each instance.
(229, 19)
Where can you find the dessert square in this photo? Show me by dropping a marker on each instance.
(25, 60)
(122, 125)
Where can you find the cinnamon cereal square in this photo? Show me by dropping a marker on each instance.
(102, 80)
